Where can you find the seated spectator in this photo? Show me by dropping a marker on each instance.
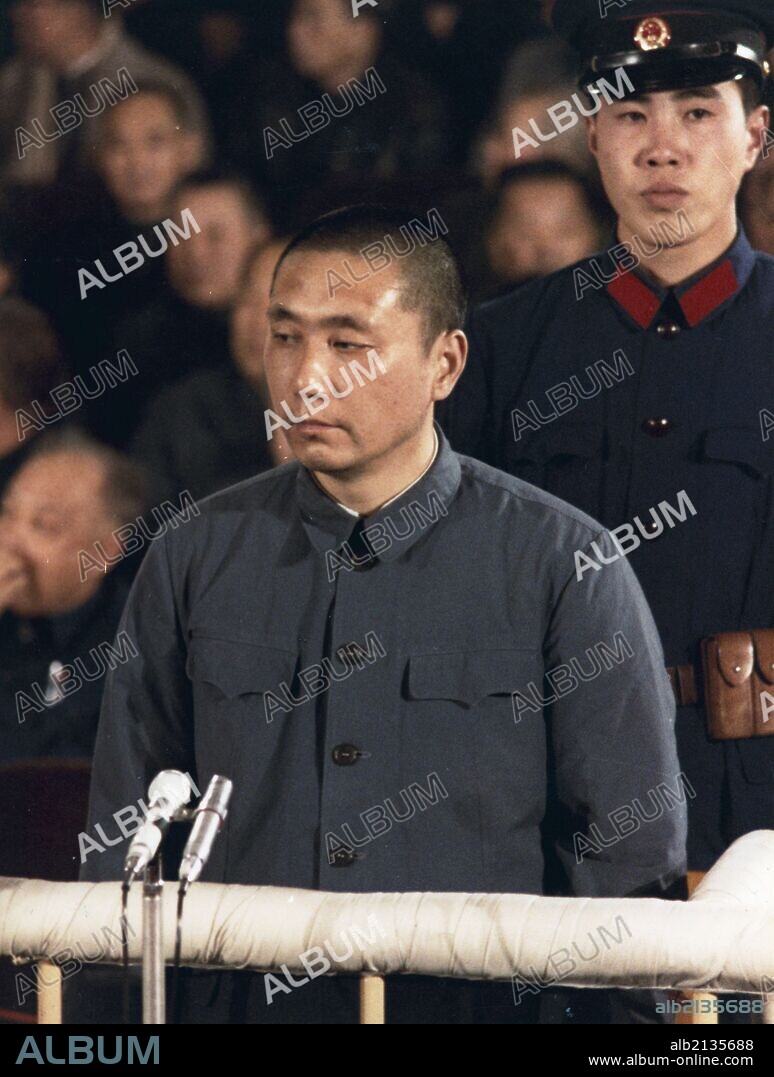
(64, 49)
(7, 267)
(396, 130)
(208, 430)
(546, 218)
(30, 367)
(143, 150)
(463, 45)
(185, 326)
(757, 205)
(540, 74)
(58, 618)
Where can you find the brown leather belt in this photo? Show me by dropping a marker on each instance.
(684, 685)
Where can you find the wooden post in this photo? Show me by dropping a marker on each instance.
(49, 993)
(694, 878)
(371, 1000)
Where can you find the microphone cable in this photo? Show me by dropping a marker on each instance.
(124, 952)
(174, 1007)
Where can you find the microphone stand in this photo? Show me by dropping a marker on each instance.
(154, 1007)
(153, 994)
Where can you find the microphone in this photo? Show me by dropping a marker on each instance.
(209, 817)
(167, 793)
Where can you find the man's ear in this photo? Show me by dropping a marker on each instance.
(591, 133)
(450, 353)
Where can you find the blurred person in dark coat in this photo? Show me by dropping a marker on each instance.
(57, 622)
(208, 430)
(185, 326)
(30, 367)
(389, 127)
(463, 46)
(143, 149)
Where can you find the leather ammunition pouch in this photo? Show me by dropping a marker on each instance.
(739, 684)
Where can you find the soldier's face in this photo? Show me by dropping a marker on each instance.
(361, 351)
(672, 155)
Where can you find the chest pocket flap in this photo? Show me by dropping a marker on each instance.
(470, 676)
(238, 668)
(738, 445)
(564, 438)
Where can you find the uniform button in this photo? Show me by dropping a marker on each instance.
(657, 427)
(345, 755)
(651, 528)
(343, 858)
(668, 330)
(351, 651)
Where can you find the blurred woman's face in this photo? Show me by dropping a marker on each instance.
(323, 38)
(542, 225)
(316, 35)
(47, 29)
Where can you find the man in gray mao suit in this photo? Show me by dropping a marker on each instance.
(389, 649)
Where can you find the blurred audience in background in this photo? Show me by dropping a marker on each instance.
(30, 367)
(142, 150)
(757, 203)
(208, 430)
(540, 73)
(70, 59)
(58, 612)
(184, 326)
(337, 113)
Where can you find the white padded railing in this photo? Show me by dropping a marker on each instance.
(722, 939)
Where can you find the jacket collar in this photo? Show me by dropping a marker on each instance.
(699, 297)
(328, 525)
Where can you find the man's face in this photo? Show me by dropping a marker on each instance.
(759, 207)
(542, 225)
(248, 316)
(205, 269)
(322, 37)
(48, 29)
(311, 337)
(684, 150)
(143, 154)
(53, 508)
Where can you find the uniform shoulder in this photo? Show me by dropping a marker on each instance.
(499, 490)
(764, 263)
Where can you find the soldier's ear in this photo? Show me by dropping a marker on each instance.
(759, 136)
(591, 133)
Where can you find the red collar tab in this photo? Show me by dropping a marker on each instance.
(702, 298)
(697, 303)
(636, 298)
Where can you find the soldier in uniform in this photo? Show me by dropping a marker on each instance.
(638, 377)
